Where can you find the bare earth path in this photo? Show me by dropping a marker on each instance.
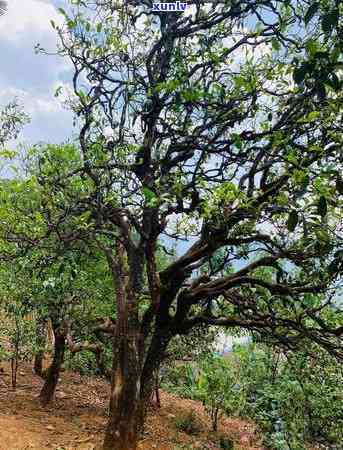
(78, 418)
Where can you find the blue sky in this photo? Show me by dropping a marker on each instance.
(33, 78)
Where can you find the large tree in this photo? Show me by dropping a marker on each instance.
(203, 127)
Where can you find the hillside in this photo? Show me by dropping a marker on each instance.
(79, 417)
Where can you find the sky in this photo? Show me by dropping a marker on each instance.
(33, 78)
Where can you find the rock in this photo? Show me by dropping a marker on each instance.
(62, 394)
(171, 416)
(50, 428)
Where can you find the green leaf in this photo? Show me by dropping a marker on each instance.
(149, 194)
(311, 47)
(292, 221)
(62, 11)
(275, 44)
(71, 24)
(53, 24)
(322, 235)
(82, 96)
(311, 12)
(322, 206)
(310, 117)
(5, 153)
(99, 27)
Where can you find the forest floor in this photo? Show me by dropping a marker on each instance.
(78, 418)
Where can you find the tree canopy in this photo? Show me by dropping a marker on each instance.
(219, 128)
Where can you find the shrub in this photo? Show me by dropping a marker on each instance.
(294, 398)
(226, 443)
(218, 388)
(188, 423)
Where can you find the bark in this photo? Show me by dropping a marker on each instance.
(41, 342)
(123, 425)
(38, 364)
(154, 357)
(132, 388)
(133, 369)
(157, 389)
(122, 429)
(48, 390)
(96, 349)
(14, 371)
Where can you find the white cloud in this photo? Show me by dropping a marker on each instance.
(30, 77)
(28, 18)
(33, 104)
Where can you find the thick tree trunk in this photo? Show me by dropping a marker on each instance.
(133, 368)
(123, 425)
(154, 357)
(48, 390)
(122, 429)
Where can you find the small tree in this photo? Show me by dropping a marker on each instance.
(219, 388)
(18, 334)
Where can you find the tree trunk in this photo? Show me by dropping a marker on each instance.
(152, 364)
(133, 368)
(48, 390)
(122, 429)
(41, 342)
(123, 425)
(38, 363)
(130, 394)
(14, 371)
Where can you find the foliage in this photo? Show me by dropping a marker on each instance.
(180, 379)
(294, 398)
(226, 443)
(12, 118)
(213, 381)
(17, 335)
(196, 344)
(219, 129)
(218, 377)
(188, 423)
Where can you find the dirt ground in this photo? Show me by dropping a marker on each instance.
(78, 418)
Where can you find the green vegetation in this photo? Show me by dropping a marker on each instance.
(221, 131)
(188, 423)
(295, 398)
